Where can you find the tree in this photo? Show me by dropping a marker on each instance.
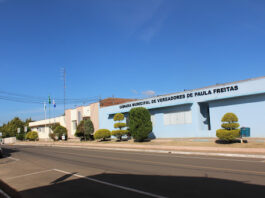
(140, 123)
(85, 129)
(229, 129)
(10, 129)
(119, 125)
(53, 126)
(59, 131)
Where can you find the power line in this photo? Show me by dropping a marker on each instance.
(15, 97)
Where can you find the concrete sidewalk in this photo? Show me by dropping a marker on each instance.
(195, 150)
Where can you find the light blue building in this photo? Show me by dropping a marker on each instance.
(198, 112)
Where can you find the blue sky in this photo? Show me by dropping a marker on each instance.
(129, 48)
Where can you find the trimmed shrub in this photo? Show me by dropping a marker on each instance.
(140, 123)
(230, 117)
(119, 125)
(59, 131)
(118, 117)
(85, 129)
(230, 129)
(119, 133)
(32, 136)
(102, 134)
(227, 135)
(230, 126)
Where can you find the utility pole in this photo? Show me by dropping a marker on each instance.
(49, 115)
(64, 86)
(44, 116)
(63, 73)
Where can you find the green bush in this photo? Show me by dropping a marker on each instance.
(85, 129)
(230, 117)
(59, 131)
(118, 117)
(227, 135)
(32, 136)
(230, 129)
(53, 126)
(230, 126)
(102, 134)
(119, 133)
(119, 125)
(140, 123)
(53, 136)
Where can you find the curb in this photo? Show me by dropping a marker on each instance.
(155, 151)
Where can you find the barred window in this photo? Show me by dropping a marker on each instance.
(179, 117)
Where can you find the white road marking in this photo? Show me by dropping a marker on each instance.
(4, 194)
(44, 171)
(113, 185)
(13, 158)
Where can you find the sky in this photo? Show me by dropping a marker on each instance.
(128, 49)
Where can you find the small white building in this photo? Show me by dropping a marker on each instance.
(43, 126)
(70, 121)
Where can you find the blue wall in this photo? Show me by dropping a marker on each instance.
(250, 111)
(247, 102)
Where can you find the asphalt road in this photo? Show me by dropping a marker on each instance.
(75, 172)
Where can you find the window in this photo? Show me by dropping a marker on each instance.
(79, 116)
(40, 129)
(179, 117)
(74, 125)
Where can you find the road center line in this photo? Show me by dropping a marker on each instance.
(113, 185)
(44, 171)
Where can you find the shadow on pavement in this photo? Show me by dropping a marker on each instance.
(8, 190)
(167, 186)
(7, 151)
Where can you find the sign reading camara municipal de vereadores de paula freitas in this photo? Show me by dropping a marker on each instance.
(183, 96)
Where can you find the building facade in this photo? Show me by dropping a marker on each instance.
(72, 117)
(198, 112)
(70, 121)
(42, 126)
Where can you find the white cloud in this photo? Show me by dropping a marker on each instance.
(134, 91)
(149, 93)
